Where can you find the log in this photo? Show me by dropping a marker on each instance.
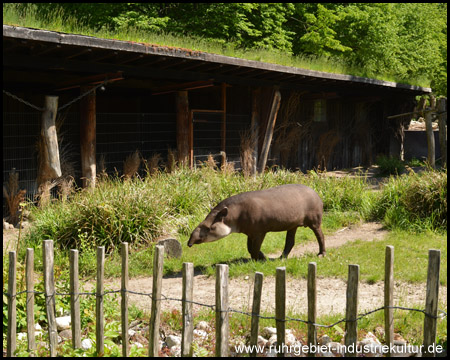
(182, 103)
(88, 137)
(269, 130)
(51, 167)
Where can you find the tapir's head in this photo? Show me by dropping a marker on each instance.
(211, 229)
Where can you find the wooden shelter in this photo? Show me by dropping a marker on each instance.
(116, 97)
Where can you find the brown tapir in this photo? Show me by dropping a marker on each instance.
(256, 213)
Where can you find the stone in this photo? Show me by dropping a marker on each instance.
(173, 340)
(335, 347)
(66, 334)
(290, 339)
(172, 247)
(324, 340)
(261, 341)
(21, 336)
(63, 323)
(267, 332)
(5, 225)
(86, 344)
(203, 325)
(272, 341)
(175, 351)
(37, 327)
(200, 333)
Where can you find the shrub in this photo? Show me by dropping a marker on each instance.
(389, 165)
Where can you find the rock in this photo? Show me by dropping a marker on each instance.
(66, 334)
(272, 341)
(290, 339)
(21, 336)
(37, 327)
(138, 345)
(200, 333)
(86, 344)
(379, 332)
(267, 332)
(173, 340)
(131, 332)
(176, 351)
(5, 225)
(335, 347)
(63, 323)
(203, 325)
(172, 247)
(261, 341)
(11, 226)
(324, 340)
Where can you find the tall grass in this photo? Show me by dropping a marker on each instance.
(58, 21)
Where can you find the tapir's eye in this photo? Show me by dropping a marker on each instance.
(204, 231)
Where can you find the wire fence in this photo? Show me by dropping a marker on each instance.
(432, 313)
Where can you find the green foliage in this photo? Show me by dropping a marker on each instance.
(389, 165)
(414, 201)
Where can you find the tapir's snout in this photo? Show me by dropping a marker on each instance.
(189, 244)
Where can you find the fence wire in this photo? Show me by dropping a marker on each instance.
(231, 310)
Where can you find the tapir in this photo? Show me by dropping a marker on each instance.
(255, 213)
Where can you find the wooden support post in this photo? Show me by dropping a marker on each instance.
(255, 122)
(280, 308)
(49, 289)
(222, 325)
(312, 307)
(158, 264)
(224, 121)
(188, 315)
(389, 296)
(124, 301)
(51, 167)
(99, 316)
(75, 299)
(256, 308)
(30, 299)
(431, 158)
(442, 120)
(182, 103)
(12, 301)
(191, 139)
(88, 137)
(351, 313)
(269, 130)
(431, 302)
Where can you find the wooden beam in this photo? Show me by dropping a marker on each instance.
(90, 80)
(269, 130)
(183, 138)
(88, 137)
(254, 127)
(442, 120)
(184, 86)
(224, 116)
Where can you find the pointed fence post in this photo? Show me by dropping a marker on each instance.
(158, 264)
(12, 319)
(431, 302)
(30, 299)
(75, 299)
(352, 310)
(280, 308)
(312, 306)
(188, 316)
(124, 300)
(389, 296)
(222, 325)
(257, 290)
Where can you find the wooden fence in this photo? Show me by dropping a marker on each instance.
(222, 308)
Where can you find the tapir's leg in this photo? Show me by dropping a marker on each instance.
(320, 238)
(290, 241)
(254, 243)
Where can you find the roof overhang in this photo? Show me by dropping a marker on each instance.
(49, 51)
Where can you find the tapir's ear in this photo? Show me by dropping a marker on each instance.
(222, 213)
